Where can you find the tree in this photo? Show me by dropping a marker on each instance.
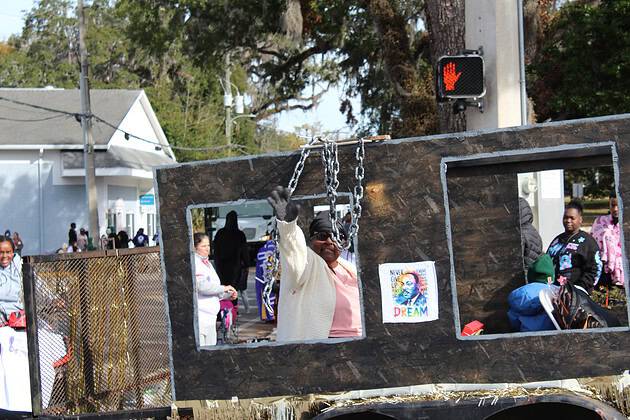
(187, 98)
(583, 68)
(376, 48)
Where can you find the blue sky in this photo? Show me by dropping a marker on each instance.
(327, 113)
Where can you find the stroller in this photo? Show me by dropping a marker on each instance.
(227, 332)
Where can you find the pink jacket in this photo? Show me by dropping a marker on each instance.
(608, 237)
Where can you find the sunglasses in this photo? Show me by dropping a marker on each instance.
(321, 236)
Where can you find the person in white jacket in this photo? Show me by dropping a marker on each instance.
(209, 291)
(319, 291)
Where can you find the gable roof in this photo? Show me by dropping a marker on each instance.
(26, 125)
(117, 157)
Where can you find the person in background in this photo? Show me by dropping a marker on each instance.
(7, 233)
(112, 239)
(17, 241)
(72, 248)
(231, 252)
(123, 239)
(607, 233)
(82, 241)
(10, 279)
(264, 267)
(575, 253)
(209, 291)
(72, 233)
(319, 291)
(530, 238)
(140, 239)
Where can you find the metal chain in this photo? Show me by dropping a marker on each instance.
(359, 174)
(330, 161)
(299, 167)
(331, 170)
(272, 268)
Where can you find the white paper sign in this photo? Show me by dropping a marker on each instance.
(409, 292)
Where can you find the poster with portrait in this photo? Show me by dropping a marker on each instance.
(409, 292)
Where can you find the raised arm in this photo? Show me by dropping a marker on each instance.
(291, 241)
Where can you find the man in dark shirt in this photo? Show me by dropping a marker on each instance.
(575, 253)
(72, 234)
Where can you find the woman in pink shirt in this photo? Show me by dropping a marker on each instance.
(607, 233)
(319, 291)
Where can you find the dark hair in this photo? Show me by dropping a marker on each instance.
(575, 204)
(613, 194)
(198, 237)
(73, 225)
(9, 240)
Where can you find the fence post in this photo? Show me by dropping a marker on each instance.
(30, 309)
(86, 325)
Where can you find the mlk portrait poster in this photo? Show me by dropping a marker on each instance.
(409, 292)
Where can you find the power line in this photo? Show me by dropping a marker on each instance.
(128, 135)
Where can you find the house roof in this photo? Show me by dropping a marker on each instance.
(117, 157)
(26, 125)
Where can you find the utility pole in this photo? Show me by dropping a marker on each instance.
(227, 102)
(86, 125)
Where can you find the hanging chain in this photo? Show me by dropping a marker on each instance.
(331, 170)
(359, 174)
(299, 167)
(272, 265)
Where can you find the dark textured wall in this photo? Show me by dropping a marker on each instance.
(403, 220)
(487, 246)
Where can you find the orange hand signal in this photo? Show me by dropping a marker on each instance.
(450, 76)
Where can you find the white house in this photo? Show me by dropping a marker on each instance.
(42, 177)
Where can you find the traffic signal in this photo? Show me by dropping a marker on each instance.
(460, 77)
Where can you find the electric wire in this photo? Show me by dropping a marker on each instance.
(78, 116)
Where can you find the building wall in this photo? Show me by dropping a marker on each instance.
(43, 215)
(36, 206)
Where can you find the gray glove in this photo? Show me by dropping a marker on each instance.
(285, 209)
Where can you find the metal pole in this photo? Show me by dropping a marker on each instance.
(521, 57)
(86, 124)
(228, 105)
(32, 338)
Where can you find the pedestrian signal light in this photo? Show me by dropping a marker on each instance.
(460, 77)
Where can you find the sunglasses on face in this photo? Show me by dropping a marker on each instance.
(321, 236)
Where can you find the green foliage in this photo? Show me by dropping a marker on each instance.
(583, 69)
(598, 182)
(375, 49)
(186, 96)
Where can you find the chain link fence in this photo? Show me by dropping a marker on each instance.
(102, 332)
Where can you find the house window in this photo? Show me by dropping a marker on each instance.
(150, 224)
(111, 219)
(130, 224)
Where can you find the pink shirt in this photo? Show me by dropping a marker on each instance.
(347, 317)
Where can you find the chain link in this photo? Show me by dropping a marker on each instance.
(272, 268)
(299, 167)
(359, 174)
(330, 160)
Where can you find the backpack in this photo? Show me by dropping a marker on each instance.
(575, 310)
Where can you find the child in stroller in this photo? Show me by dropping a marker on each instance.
(227, 332)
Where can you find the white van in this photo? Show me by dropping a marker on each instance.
(253, 219)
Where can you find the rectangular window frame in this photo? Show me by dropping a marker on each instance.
(539, 154)
(189, 228)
